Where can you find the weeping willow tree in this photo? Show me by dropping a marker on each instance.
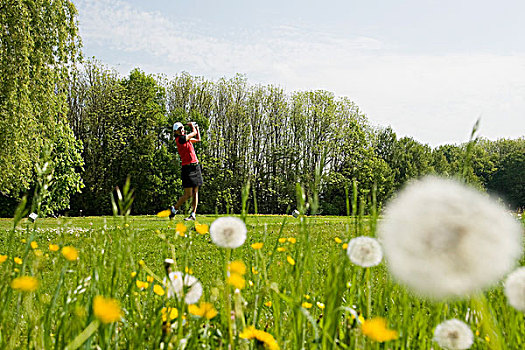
(39, 44)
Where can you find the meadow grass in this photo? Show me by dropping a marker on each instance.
(318, 302)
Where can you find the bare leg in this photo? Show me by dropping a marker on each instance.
(187, 194)
(195, 199)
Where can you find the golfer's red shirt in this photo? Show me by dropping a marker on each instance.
(186, 150)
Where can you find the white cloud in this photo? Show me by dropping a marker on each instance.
(435, 99)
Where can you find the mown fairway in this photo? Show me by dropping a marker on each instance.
(308, 302)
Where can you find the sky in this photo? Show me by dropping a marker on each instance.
(427, 68)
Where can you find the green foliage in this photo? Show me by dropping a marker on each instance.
(39, 44)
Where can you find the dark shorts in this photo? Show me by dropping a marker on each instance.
(191, 175)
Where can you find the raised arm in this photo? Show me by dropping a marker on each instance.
(194, 135)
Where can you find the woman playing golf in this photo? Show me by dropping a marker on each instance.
(191, 170)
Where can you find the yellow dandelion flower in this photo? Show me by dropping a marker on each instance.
(150, 279)
(281, 249)
(477, 333)
(307, 297)
(338, 240)
(261, 337)
(70, 253)
(181, 229)
(237, 266)
(292, 240)
(236, 280)
(360, 318)
(141, 284)
(171, 311)
(487, 339)
(25, 283)
(53, 247)
(34, 244)
(17, 260)
(204, 309)
(257, 245)
(306, 305)
(38, 253)
(107, 310)
(133, 274)
(201, 229)
(268, 303)
(188, 270)
(157, 289)
(141, 262)
(23, 240)
(3, 258)
(250, 283)
(377, 330)
(254, 271)
(320, 305)
(126, 225)
(164, 213)
(282, 240)
(290, 260)
(345, 246)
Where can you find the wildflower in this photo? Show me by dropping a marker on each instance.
(345, 246)
(364, 251)
(377, 330)
(25, 283)
(282, 240)
(38, 253)
(191, 287)
(34, 244)
(444, 239)
(201, 229)
(23, 240)
(133, 274)
(53, 247)
(141, 284)
(254, 271)
(150, 279)
(3, 258)
(453, 334)
(307, 297)
(306, 305)
(338, 240)
(320, 305)
(17, 260)
(236, 280)
(172, 312)
(250, 283)
(164, 213)
(157, 289)
(487, 339)
(257, 245)
(261, 337)
(237, 266)
(181, 229)
(281, 249)
(290, 260)
(188, 270)
(268, 303)
(141, 262)
(205, 310)
(107, 310)
(228, 232)
(292, 240)
(515, 289)
(70, 253)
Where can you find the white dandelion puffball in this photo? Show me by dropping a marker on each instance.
(228, 232)
(364, 251)
(454, 334)
(444, 239)
(192, 288)
(515, 289)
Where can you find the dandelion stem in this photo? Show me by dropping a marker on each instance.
(489, 323)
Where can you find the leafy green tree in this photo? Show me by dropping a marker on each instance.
(38, 45)
(508, 180)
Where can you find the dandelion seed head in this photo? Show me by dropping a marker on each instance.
(364, 251)
(454, 334)
(228, 232)
(515, 289)
(191, 287)
(444, 239)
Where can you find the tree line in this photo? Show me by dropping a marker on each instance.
(94, 128)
